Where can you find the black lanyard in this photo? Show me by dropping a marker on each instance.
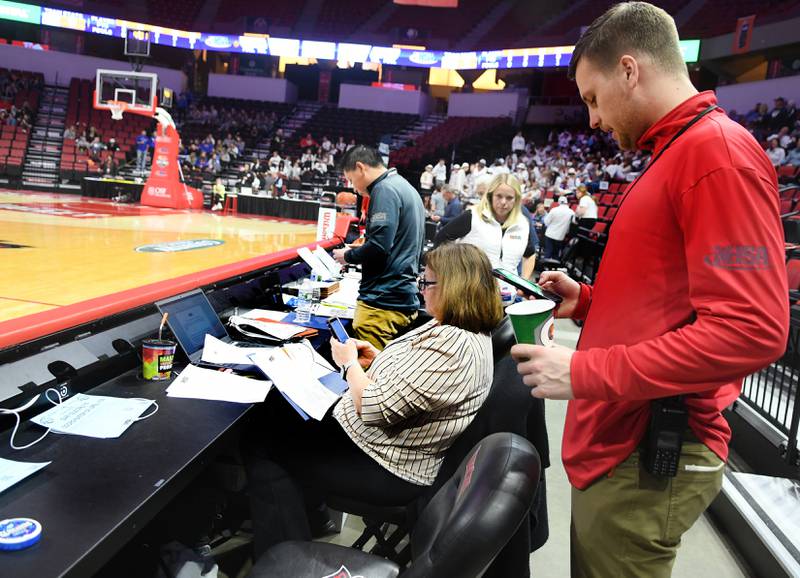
(685, 127)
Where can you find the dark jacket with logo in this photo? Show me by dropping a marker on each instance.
(391, 254)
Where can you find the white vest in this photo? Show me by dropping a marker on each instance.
(504, 248)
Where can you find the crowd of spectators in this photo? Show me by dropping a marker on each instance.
(21, 117)
(778, 129)
(11, 85)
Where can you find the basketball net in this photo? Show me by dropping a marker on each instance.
(117, 107)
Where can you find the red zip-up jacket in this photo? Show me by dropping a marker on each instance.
(691, 294)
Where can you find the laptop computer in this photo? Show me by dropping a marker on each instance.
(191, 317)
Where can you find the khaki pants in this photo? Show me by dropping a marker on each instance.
(379, 326)
(630, 523)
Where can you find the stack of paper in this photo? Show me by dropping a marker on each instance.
(295, 380)
(320, 262)
(198, 383)
(255, 327)
(220, 353)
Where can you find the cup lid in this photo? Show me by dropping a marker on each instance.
(531, 307)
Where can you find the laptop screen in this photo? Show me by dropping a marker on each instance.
(190, 318)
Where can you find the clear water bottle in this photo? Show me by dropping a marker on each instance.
(315, 291)
(302, 311)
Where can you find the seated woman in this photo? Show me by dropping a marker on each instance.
(404, 408)
(498, 225)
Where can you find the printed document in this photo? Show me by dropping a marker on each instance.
(95, 416)
(200, 383)
(12, 472)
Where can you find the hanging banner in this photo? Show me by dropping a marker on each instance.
(743, 34)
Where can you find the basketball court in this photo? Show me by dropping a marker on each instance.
(63, 249)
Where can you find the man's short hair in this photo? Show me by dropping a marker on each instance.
(635, 28)
(360, 154)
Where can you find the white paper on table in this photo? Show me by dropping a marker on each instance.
(220, 353)
(266, 314)
(295, 380)
(313, 261)
(334, 310)
(12, 472)
(200, 383)
(282, 331)
(304, 353)
(347, 294)
(95, 416)
(334, 268)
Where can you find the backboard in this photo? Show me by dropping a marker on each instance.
(138, 90)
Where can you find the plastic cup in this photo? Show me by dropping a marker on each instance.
(533, 321)
(157, 357)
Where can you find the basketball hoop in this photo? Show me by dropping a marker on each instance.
(117, 107)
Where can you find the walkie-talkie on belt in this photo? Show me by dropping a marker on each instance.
(664, 440)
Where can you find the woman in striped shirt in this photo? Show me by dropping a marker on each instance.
(404, 408)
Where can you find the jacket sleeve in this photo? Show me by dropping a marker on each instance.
(455, 229)
(733, 244)
(384, 217)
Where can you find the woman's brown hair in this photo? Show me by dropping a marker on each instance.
(467, 294)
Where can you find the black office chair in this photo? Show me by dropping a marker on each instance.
(459, 533)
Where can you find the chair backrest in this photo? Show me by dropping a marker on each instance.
(503, 339)
(476, 512)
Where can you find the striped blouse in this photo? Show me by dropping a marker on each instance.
(426, 387)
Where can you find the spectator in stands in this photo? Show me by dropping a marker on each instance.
(340, 146)
(426, 181)
(538, 217)
(390, 255)
(217, 195)
(457, 178)
(497, 226)
(499, 167)
(110, 167)
(326, 144)
(783, 136)
(70, 133)
(557, 223)
(793, 156)
(586, 212)
(351, 144)
(518, 144)
(776, 153)
(452, 207)
(274, 159)
(687, 331)
(307, 142)
(778, 116)
(436, 204)
(440, 172)
(388, 435)
(96, 147)
(142, 144)
(112, 145)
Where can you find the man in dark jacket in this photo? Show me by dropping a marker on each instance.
(389, 258)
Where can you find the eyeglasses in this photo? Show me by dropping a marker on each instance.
(424, 283)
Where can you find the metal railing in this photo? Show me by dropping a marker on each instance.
(773, 394)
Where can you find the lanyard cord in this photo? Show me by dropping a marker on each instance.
(683, 129)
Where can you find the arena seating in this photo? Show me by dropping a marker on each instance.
(573, 21)
(14, 139)
(519, 21)
(340, 18)
(76, 164)
(441, 24)
(438, 140)
(717, 17)
(365, 126)
(283, 14)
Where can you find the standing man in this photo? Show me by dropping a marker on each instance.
(142, 144)
(440, 172)
(557, 223)
(388, 295)
(452, 207)
(690, 298)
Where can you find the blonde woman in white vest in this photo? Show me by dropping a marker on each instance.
(499, 225)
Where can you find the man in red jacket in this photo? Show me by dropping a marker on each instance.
(690, 298)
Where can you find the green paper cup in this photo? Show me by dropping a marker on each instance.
(533, 321)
